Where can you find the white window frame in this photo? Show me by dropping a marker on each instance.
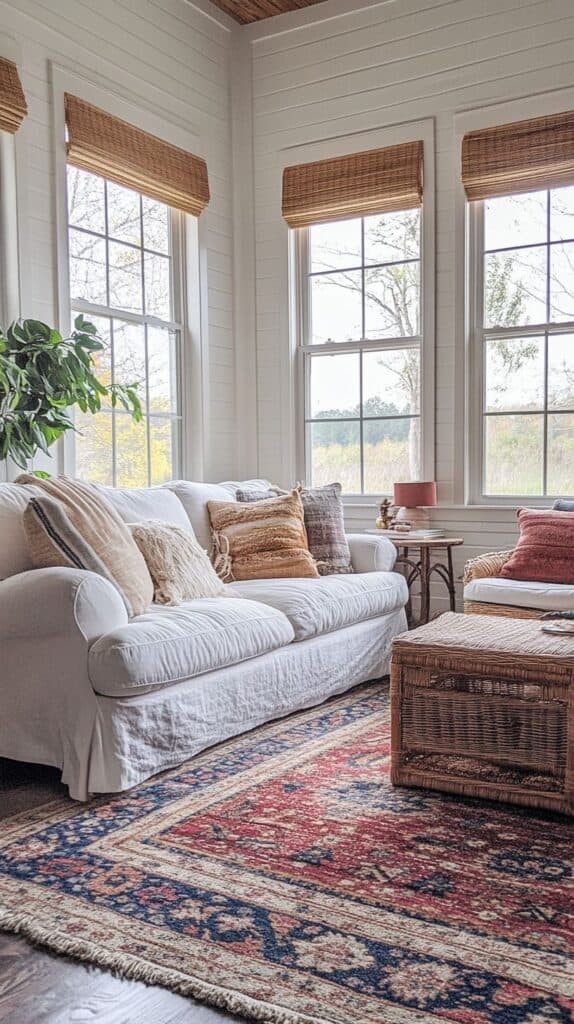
(174, 326)
(308, 351)
(469, 369)
(479, 334)
(299, 313)
(191, 242)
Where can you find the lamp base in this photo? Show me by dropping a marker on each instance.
(418, 517)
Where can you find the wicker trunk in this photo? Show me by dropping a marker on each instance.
(485, 706)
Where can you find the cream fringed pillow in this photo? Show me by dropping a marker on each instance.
(68, 523)
(260, 539)
(179, 567)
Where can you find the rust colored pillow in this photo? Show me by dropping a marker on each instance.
(545, 549)
(260, 540)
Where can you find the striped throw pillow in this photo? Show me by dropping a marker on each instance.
(260, 539)
(325, 525)
(72, 525)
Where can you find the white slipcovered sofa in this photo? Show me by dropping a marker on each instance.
(111, 701)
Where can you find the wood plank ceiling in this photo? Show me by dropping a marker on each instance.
(247, 11)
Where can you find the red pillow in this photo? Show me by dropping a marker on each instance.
(545, 549)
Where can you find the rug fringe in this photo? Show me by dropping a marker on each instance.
(123, 965)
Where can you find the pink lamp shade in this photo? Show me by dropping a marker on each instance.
(413, 495)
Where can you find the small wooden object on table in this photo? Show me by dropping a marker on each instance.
(420, 567)
(484, 706)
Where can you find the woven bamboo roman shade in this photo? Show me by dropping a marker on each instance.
(13, 107)
(103, 144)
(353, 186)
(520, 157)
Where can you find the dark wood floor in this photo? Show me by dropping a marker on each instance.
(37, 988)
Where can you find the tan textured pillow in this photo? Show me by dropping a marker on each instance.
(260, 539)
(101, 529)
(179, 567)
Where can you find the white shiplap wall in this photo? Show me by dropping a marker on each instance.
(168, 59)
(365, 66)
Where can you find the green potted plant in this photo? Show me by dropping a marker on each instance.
(42, 377)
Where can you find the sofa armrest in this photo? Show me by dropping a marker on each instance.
(483, 566)
(59, 602)
(370, 553)
(49, 713)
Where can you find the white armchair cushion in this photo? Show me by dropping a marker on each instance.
(550, 597)
(370, 553)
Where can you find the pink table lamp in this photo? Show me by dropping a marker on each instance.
(413, 499)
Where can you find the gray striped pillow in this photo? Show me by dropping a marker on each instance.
(325, 525)
(54, 540)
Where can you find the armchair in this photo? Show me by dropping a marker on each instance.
(488, 593)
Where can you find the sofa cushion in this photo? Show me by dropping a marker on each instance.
(167, 645)
(14, 551)
(257, 484)
(140, 504)
(194, 497)
(551, 597)
(321, 605)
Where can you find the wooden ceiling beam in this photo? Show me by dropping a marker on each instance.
(248, 11)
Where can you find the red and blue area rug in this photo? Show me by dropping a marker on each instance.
(280, 876)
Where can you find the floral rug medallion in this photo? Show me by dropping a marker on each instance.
(280, 876)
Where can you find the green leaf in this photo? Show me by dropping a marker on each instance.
(42, 376)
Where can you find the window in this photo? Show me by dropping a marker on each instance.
(524, 332)
(360, 347)
(124, 274)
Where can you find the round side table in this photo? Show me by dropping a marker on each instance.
(427, 560)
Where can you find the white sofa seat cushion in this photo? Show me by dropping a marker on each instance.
(551, 597)
(166, 645)
(316, 606)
